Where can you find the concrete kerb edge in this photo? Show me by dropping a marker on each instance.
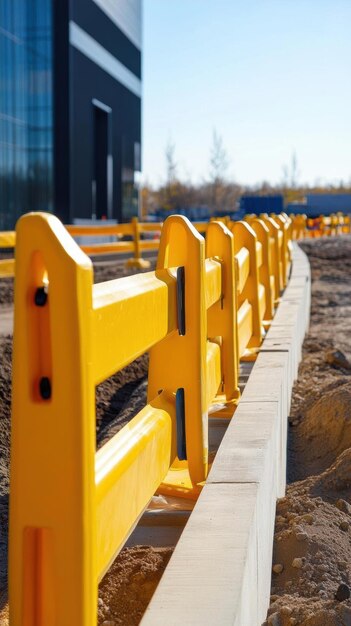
(216, 549)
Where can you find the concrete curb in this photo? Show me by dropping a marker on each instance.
(220, 571)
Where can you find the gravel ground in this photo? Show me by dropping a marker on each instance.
(312, 547)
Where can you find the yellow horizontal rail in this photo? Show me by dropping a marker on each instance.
(7, 268)
(99, 230)
(244, 326)
(214, 371)
(128, 470)
(7, 239)
(242, 259)
(118, 247)
(142, 302)
(213, 278)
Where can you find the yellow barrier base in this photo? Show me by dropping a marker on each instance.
(139, 264)
(178, 483)
(250, 354)
(221, 408)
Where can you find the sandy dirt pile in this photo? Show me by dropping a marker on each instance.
(312, 545)
(128, 587)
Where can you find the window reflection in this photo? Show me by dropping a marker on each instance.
(26, 110)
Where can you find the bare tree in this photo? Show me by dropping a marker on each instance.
(291, 173)
(170, 162)
(218, 166)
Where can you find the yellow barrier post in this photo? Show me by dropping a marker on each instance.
(265, 272)
(298, 226)
(71, 509)
(137, 261)
(276, 237)
(178, 363)
(221, 316)
(286, 251)
(248, 297)
(52, 561)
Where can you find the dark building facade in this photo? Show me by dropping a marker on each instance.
(70, 108)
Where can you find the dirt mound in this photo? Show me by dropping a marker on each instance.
(337, 478)
(312, 543)
(325, 430)
(312, 552)
(129, 585)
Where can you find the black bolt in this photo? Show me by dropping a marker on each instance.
(41, 296)
(342, 592)
(45, 388)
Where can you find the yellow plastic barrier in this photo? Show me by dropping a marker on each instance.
(299, 226)
(250, 298)
(7, 266)
(203, 309)
(208, 308)
(284, 223)
(72, 508)
(276, 247)
(266, 277)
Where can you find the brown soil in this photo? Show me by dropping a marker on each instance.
(129, 586)
(312, 544)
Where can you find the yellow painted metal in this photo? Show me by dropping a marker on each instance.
(7, 268)
(248, 294)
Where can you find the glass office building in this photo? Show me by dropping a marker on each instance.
(26, 109)
(70, 108)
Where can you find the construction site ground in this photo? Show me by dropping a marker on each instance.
(312, 547)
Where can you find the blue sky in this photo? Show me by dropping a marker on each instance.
(271, 76)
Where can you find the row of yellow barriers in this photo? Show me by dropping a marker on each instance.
(135, 231)
(205, 307)
(322, 226)
(130, 238)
